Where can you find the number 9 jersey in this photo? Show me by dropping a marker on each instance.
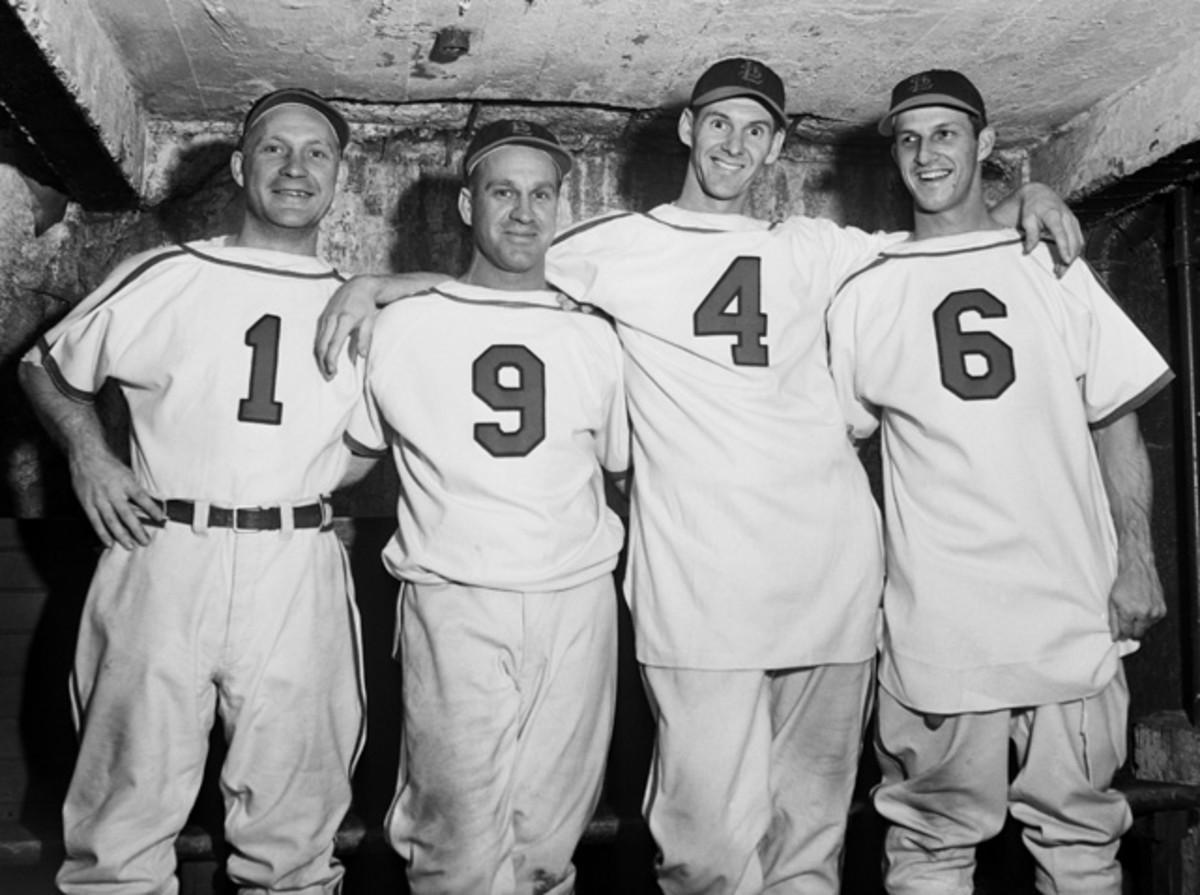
(500, 409)
(988, 372)
(211, 345)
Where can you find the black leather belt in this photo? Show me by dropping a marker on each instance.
(309, 515)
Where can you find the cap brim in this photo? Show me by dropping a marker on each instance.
(920, 102)
(729, 91)
(341, 130)
(560, 157)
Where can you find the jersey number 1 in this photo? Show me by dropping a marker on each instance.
(742, 281)
(528, 398)
(260, 406)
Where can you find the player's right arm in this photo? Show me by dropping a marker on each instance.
(106, 488)
(349, 317)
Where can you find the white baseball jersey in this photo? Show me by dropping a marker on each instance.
(754, 539)
(211, 345)
(500, 409)
(987, 371)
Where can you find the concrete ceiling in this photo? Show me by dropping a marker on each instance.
(1090, 89)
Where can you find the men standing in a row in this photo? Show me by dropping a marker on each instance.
(755, 566)
(223, 588)
(1011, 447)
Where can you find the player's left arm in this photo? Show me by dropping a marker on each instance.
(1136, 601)
(1034, 208)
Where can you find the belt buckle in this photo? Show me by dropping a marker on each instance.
(237, 528)
(326, 513)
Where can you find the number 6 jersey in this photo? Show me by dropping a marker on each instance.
(211, 345)
(988, 371)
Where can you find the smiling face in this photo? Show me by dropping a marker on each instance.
(939, 156)
(730, 141)
(511, 206)
(287, 168)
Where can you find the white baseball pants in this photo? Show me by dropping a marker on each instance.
(259, 626)
(752, 776)
(946, 790)
(508, 710)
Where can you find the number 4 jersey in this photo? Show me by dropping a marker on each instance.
(988, 372)
(754, 540)
(500, 408)
(211, 345)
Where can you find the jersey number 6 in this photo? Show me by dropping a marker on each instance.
(955, 345)
(741, 281)
(528, 398)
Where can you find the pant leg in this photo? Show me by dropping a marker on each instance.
(293, 705)
(568, 693)
(1073, 819)
(708, 799)
(943, 792)
(817, 717)
(143, 698)
(460, 652)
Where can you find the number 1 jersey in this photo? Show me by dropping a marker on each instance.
(988, 371)
(211, 345)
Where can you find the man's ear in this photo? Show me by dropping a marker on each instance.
(464, 205)
(776, 146)
(235, 167)
(687, 120)
(987, 142)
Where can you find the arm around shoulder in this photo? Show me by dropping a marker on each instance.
(349, 316)
(1034, 208)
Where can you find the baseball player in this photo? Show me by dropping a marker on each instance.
(223, 587)
(1011, 447)
(500, 410)
(754, 562)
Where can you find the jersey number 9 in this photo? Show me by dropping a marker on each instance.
(527, 398)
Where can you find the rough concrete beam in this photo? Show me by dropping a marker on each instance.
(65, 86)
(1124, 133)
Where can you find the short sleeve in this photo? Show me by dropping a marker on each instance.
(365, 436)
(574, 263)
(1123, 369)
(861, 417)
(613, 443)
(845, 250)
(82, 350)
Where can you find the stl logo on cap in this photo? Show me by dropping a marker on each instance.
(522, 128)
(751, 73)
(921, 83)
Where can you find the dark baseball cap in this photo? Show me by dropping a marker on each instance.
(515, 132)
(297, 96)
(936, 87)
(739, 76)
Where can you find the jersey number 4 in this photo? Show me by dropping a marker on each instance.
(527, 398)
(955, 345)
(260, 405)
(741, 282)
